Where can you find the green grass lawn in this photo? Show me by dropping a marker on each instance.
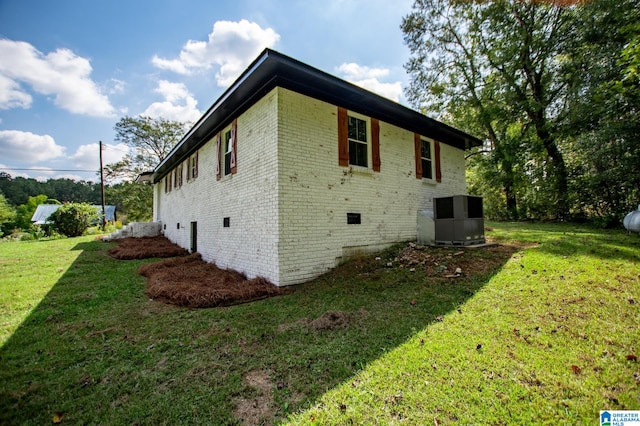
(542, 337)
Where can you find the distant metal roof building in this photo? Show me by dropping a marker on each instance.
(43, 211)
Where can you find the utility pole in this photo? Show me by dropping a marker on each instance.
(104, 213)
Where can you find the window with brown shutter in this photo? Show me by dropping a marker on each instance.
(234, 146)
(195, 165)
(355, 146)
(228, 151)
(417, 143)
(427, 158)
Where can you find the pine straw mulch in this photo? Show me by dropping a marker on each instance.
(189, 281)
(144, 248)
(186, 280)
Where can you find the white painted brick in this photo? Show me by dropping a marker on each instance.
(288, 202)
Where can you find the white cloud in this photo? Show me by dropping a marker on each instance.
(231, 46)
(26, 146)
(114, 86)
(11, 95)
(353, 71)
(87, 157)
(60, 73)
(179, 104)
(368, 78)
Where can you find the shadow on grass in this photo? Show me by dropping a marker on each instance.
(97, 350)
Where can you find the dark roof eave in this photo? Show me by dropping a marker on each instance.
(271, 69)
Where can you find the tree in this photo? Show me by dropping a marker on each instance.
(150, 139)
(494, 68)
(602, 129)
(72, 219)
(18, 190)
(25, 211)
(134, 200)
(7, 214)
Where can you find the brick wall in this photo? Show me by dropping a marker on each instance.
(315, 193)
(289, 200)
(248, 198)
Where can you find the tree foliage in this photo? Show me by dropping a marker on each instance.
(72, 219)
(25, 211)
(18, 189)
(602, 130)
(135, 200)
(150, 141)
(7, 215)
(520, 75)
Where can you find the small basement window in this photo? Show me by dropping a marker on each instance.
(353, 219)
(226, 222)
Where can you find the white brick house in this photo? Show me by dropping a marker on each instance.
(291, 170)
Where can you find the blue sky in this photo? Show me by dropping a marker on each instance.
(70, 69)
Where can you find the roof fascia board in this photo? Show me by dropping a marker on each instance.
(271, 69)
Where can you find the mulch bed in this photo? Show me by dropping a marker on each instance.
(190, 281)
(186, 280)
(144, 248)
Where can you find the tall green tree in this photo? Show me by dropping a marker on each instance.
(7, 215)
(495, 68)
(603, 127)
(150, 140)
(25, 211)
(133, 200)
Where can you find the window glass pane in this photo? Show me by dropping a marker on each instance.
(427, 173)
(358, 154)
(362, 130)
(357, 129)
(426, 149)
(353, 128)
(227, 163)
(227, 141)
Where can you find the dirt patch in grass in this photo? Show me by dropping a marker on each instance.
(145, 247)
(255, 410)
(441, 262)
(329, 321)
(189, 281)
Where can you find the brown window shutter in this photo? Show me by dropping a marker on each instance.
(218, 155)
(188, 173)
(418, 154)
(234, 146)
(436, 154)
(375, 144)
(343, 141)
(195, 174)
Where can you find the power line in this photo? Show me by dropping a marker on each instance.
(48, 170)
(115, 149)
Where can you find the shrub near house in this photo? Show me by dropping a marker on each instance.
(73, 219)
